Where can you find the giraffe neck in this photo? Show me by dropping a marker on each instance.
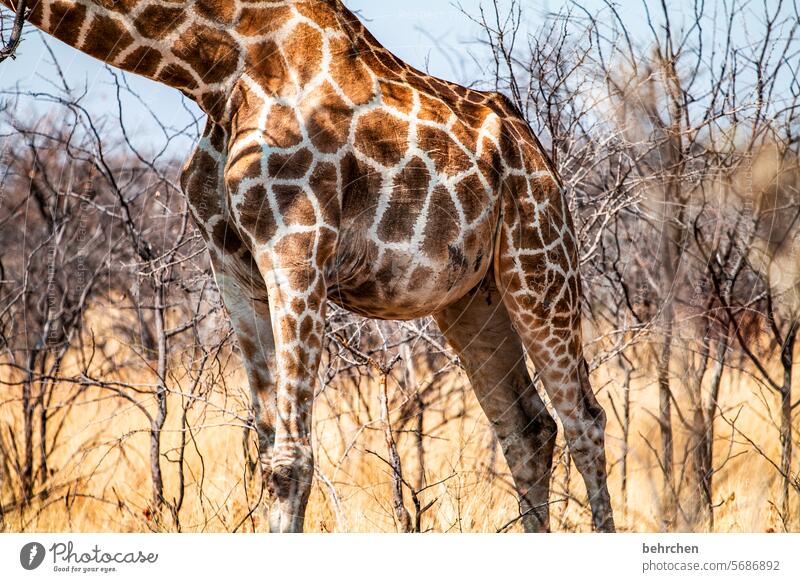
(201, 47)
(197, 46)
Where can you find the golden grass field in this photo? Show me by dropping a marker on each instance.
(101, 482)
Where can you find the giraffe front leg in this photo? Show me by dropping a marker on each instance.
(294, 276)
(239, 280)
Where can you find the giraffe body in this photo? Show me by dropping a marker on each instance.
(329, 170)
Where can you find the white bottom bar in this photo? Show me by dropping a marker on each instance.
(389, 558)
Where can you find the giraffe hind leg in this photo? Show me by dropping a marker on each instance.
(537, 271)
(479, 329)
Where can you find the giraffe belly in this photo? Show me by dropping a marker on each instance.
(402, 280)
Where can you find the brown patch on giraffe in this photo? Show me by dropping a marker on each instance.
(480, 98)
(326, 246)
(247, 164)
(213, 103)
(349, 72)
(259, 21)
(442, 150)
(200, 183)
(516, 187)
(216, 135)
(510, 148)
(459, 264)
(319, 327)
(544, 188)
(532, 159)
(294, 205)
(306, 326)
(246, 108)
(432, 109)
(66, 19)
(549, 232)
(490, 163)
(411, 184)
(472, 114)
(219, 11)
(321, 14)
(144, 61)
(305, 397)
(316, 294)
(481, 248)
(397, 96)
(298, 305)
(106, 38)
(265, 64)
(351, 23)
(324, 185)
(327, 118)
(303, 52)
(226, 237)
(472, 196)
(443, 89)
(535, 265)
(290, 166)
(255, 215)
(398, 221)
(360, 185)
(293, 251)
(463, 92)
(156, 21)
(177, 76)
(288, 326)
(442, 226)
(465, 134)
(35, 14)
(386, 274)
(421, 278)
(211, 52)
(364, 292)
(282, 130)
(410, 188)
(382, 137)
(513, 284)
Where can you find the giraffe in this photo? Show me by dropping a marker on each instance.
(330, 170)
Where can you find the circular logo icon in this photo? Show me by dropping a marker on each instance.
(31, 555)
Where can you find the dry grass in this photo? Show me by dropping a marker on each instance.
(101, 481)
